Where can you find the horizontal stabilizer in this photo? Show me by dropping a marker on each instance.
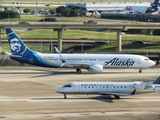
(14, 56)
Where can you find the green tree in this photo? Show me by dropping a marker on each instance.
(66, 11)
(5, 8)
(27, 10)
(52, 11)
(60, 9)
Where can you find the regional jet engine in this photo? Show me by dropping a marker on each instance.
(141, 85)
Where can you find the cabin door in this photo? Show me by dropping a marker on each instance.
(77, 88)
(139, 61)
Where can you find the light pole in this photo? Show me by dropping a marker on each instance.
(151, 20)
(82, 46)
(51, 40)
(8, 17)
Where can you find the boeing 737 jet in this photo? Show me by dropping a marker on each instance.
(92, 62)
(153, 7)
(110, 88)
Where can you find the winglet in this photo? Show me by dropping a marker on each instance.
(62, 58)
(57, 51)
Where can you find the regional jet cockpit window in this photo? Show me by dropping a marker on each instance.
(67, 86)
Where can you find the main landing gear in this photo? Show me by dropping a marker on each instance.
(65, 96)
(140, 71)
(117, 97)
(78, 70)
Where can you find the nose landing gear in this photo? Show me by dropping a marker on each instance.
(65, 96)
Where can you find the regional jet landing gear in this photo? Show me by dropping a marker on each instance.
(78, 70)
(65, 96)
(117, 97)
(140, 70)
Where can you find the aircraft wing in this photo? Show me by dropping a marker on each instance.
(109, 93)
(65, 62)
(118, 93)
(84, 65)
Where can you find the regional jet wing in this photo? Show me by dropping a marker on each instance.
(109, 93)
(118, 94)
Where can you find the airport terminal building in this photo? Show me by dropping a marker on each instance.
(106, 7)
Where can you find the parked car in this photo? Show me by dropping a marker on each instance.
(23, 23)
(90, 22)
(47, 4)
(138, 42)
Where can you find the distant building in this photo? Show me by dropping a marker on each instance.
(90, 8)
(1, 9)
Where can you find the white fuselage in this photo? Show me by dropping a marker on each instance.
(109, 88)
(105, 60)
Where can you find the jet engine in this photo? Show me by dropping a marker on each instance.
(141, 85)
(95, 68)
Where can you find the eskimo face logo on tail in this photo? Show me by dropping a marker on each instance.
(15, 45)
(117, 62)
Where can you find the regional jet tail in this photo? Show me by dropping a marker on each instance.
(150, 8)
(110, 88)
(92, 62)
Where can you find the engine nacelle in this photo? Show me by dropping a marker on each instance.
(141, 85)
(95, 68)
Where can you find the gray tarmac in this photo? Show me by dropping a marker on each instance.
(28, 93)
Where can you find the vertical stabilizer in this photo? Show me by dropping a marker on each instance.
(156, 1)
(157, 81)
(17, 46)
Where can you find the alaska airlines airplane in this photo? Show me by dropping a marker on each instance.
(92, 62)
(153, 7)
(110, 88)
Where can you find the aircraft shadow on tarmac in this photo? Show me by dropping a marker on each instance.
(107, 99)
(52, 72)
(103, 98)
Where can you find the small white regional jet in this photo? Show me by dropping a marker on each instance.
(92, 62)
(110, 88)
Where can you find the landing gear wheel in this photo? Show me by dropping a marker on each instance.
(117, 97)
(78, 70)
(140, 71)
(65, 96)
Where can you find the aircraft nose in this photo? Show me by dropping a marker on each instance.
(60, 90)
(152, 63)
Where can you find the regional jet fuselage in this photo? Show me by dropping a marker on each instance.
(110, 88)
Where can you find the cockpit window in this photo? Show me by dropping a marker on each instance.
(67, 86)
(146, 59)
